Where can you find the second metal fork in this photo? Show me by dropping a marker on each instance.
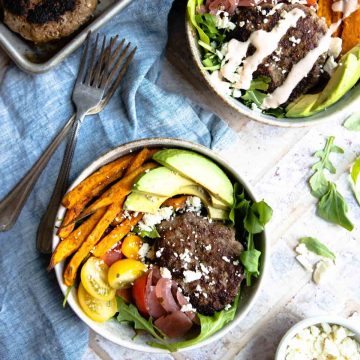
(95, 78)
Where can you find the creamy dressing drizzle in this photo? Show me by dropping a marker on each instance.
(347, 7)
(297, 73)
(265, 43)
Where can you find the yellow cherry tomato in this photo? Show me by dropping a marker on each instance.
(131, 246)
(94, 277)
(124, 272)
(95, 309)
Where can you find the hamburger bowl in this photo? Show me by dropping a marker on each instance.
(120, 333)
(343, 108)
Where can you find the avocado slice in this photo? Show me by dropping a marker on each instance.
(199, 169)
(303, 106)
(161, 181)
(142, 202)
(344, 78)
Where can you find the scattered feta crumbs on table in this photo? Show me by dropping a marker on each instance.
(324, 271)
(165, 273)
(323, 342)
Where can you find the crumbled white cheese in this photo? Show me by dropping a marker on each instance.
(227, 306)
(323, 342)
(323, 272)
(208, 247)
(165, 273)
(222, 21)
(159, 252)
(144, 249)
(226, 259)
(193, 204)
(150, 220)
(330, 65)
(190, 276)
(185, 256)
(335, 47)
(204, 269)
(187, 308)
(302, 259)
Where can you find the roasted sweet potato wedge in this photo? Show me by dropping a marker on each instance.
(140, 158)
(351, 31)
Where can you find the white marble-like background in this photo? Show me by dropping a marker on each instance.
(277, 163)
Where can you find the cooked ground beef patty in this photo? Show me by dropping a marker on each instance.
(45, 20)
(297, 42)
(191, 243)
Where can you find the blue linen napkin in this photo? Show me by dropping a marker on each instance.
(33, 324)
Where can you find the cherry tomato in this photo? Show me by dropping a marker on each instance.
(131, 246)
(311, 2)
(138, 293)
(113, 255)
(123, 273)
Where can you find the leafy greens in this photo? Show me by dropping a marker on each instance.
(353, 122)
(152, 234)
(317, 247)
(254, 215)
(332, 206)
(354, 177)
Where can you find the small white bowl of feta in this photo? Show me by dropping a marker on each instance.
(321, 338)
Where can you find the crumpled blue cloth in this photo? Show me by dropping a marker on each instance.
(33, 323)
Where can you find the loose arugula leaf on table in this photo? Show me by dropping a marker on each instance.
(318, 183)
(129, 313)
(333, 208)
(153, 234)
(353, 122)
(317, 247)
(354, 177)
(254, 217)
(209, 325)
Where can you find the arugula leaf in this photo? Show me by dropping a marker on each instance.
(354, 176)
(353, 122)
(209, 325)
(317, 247)
(318, 183)
(191, 12)
(129, 313)
(68, 291)
(255, 92)
(278, 112)
(333, 208)
(153, 234)
(250, 260)
(260, 83)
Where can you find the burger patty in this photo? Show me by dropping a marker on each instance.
(294, 46)
(203, 258)
(45, 20)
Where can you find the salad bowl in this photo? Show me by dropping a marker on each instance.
(343, 108)
(121, 333)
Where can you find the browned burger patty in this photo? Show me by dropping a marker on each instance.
(308, 32)
(45, 20)
(191, 243)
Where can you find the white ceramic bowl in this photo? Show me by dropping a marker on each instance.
(330, 319)
(349, 104)
(122, 334)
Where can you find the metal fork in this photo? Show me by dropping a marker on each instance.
(11, 205)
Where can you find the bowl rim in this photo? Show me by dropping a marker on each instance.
(320, 117)
(305, 323)
(120, 151)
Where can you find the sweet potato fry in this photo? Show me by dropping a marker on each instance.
(89, 243)
(176, 202)
(68, 225)
(351, 31)
(140, 158)
(116, 235)
(119, 190)
(69, 245)
(331, 17)
(96, 182)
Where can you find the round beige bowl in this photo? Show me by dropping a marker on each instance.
(122, 334)
(349, 104)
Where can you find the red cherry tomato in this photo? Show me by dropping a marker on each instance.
(113, 255)
(138, 294)
(125, 294)
(311, 2)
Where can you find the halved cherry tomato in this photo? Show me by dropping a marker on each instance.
(138, 292)
(125, 294)
(95, 309)
(124, 272)
(94, 277)
(113, 255)
(312, 2)
(131, 246)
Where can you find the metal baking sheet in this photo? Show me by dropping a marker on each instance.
(41, 58)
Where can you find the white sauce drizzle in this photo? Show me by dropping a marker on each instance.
(297, 73)
(347, 7)
(265, 43)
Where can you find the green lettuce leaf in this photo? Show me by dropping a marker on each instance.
(153, 234)
(191, 12)
(354, 177)
(317, 247)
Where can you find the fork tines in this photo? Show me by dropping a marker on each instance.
(106, 67)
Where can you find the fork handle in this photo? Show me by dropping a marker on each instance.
(12, 204)
(46, 227)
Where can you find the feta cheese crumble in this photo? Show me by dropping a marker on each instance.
(323, 342)
(165, 273)
(190, 276)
